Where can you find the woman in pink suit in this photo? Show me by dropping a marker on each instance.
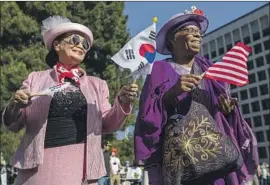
(62, 141)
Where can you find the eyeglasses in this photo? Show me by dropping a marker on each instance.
(76, 40)
(189, 31)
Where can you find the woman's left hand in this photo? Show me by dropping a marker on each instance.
(128, 93)
(226, 105)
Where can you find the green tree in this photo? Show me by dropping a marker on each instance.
(23, 51)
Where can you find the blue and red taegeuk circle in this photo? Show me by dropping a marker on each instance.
(148, 51)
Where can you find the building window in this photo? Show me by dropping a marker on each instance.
(267, 57)
(246, 34)
(213, 54)
(263, 89)
(253, 92)
(259, 61)
(205, 50)
(262, 152)
(257, 48)
(268, 134)
(247, 40)
(220, 46)
(255, 106)
(245, 109)
(248, 120)
(244, 95)
(255, 30)
(221, 51)
(252, 78)
(266, 118)
(228, 47)
(260, 136)
(250, 65)
(235, 95)
(256, 36)
(266, 45)
(213, 49)
(233, 86)
(228, 41)
(265, 25)
(265, 104)
(262, 75)
(257, 120)
(236, 36)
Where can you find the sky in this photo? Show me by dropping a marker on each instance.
(140, 14)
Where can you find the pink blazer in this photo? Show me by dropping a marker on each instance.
(101, 118)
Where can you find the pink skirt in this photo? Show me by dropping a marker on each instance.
(61, 166)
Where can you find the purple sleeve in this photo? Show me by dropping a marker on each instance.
(152, 115)
(155, 175)
(238, 129)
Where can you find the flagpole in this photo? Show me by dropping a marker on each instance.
(202, 75)
(135, 79)
(155, 20)
(38, 94)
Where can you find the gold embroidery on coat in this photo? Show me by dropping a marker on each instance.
(204, 146)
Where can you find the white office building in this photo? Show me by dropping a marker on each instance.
(253, 30)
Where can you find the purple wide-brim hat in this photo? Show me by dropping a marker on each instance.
(57, 25)
(178, 19)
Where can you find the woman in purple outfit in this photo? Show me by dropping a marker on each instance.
(168, 89)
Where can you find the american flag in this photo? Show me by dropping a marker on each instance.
(233, 66)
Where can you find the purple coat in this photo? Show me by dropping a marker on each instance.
(152, 116)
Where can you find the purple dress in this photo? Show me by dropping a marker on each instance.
(152, 117)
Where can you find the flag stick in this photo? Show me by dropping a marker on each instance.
(155, 20)
(228, 93)
(135, 79)
(38, 94)
(202, 75)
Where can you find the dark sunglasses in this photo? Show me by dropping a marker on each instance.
(75, 40)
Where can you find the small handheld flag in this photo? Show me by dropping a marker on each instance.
(139, 51)
(51, 90)
(233, 66)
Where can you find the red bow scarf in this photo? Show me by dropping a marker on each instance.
(65, 72)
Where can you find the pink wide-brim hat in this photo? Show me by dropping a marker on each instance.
(51, 34)
(178, 19)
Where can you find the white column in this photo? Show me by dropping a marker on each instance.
(145, 180)
(4, 175)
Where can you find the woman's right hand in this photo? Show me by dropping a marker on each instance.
(21, 98)
(187, 82)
